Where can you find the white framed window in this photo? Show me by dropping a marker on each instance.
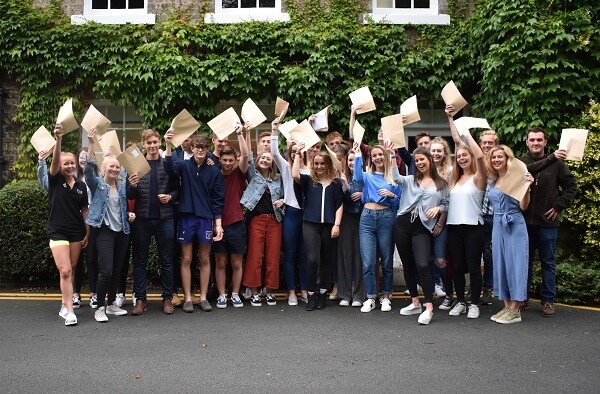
(234, 11)
(115, 12)
(407, 12)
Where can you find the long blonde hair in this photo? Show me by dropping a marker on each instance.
(446, 166)
(387, 169)
(457, 172)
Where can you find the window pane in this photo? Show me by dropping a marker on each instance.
(117, 4)
(99, 4)
(266, 3)
(248, 3)
(229, 4)
(422, 3)
(385, 3)
(136, 4)
(403, 4)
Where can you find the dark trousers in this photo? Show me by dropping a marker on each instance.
(466, 245)
(91, 259)
(413, 239)
(143, 230)
(321, 253)
(350, 267)
(111, 247)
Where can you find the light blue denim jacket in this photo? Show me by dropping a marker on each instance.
(256, 188)
(100, 195)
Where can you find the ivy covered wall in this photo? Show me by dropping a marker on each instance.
(519, 63)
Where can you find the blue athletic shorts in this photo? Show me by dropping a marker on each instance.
(191, 226)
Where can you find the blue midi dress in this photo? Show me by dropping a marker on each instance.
(510, 248)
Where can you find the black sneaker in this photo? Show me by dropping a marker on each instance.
(255, 300)
(487, 298)
(321, 301)
(270, 299)
(312, 302)
(447, 304)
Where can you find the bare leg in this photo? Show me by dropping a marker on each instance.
(186, 274)
(204, 257)
(237, 272)
(221, 263)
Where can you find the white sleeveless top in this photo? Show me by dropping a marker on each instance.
(465, 204)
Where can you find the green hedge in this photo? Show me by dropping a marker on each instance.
(24, 251)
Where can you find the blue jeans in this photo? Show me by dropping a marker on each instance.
(544, 240)
(375, 233)
(488, 262)
(439, 253)
(293, 249)
(163, 233)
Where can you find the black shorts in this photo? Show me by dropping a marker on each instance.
(234, 239)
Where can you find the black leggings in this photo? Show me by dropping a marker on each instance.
(321, 253)
(111, 247)
(466, 243)
(414, 239)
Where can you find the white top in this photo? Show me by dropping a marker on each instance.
(465, 204)
(289, 197)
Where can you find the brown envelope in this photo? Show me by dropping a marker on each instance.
(183, 125)
(287, 127)
(93, 118)
(251, 113)
(337, 164)
(363, 98)
(452, 96)
(392, 129)
(42, 140)
(305, 133)
(514, 183)
(281, 107)
(134, 161)
(464, 124)
(573, 142)
(410, 109)
(109, 142)
(321, 120)
(359, 132)
(224, 123)
(66, 117)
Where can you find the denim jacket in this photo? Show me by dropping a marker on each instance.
(100, 195)
(256, 188)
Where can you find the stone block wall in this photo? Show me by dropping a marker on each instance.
(10, 131)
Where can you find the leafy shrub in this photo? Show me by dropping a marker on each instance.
(25, 254)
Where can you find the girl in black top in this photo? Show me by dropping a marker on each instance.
(68, 233)
(323, 198)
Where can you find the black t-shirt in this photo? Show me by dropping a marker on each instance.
(153, 201)
(264, 205)
(65, 204)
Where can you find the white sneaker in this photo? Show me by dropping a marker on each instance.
(386, 304)
(94, 302)
(100, 315)
(63, 311)
(120, 300)
(356, 303)
(247, 294)
(368, 305)
(133, 299)
(70, 319)
(293, 300)
(411, 309)
(439, 292)
(419, 290)
(473, 312)
(459, 309)
(344, 303)
(425, 317)
(115, 310)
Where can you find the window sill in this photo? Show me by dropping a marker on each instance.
(246, 17)
(396, 19)
(147, 19)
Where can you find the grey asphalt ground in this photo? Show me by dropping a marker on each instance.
(275, 349)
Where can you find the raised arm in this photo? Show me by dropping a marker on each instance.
(55, 164)
(480, 177)
(296, 164)
(42, 171)
(239, 131)
(453, 130)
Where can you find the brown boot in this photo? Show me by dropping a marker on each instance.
(139, 308)
(168, 307)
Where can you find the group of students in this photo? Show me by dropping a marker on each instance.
(329, 224)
